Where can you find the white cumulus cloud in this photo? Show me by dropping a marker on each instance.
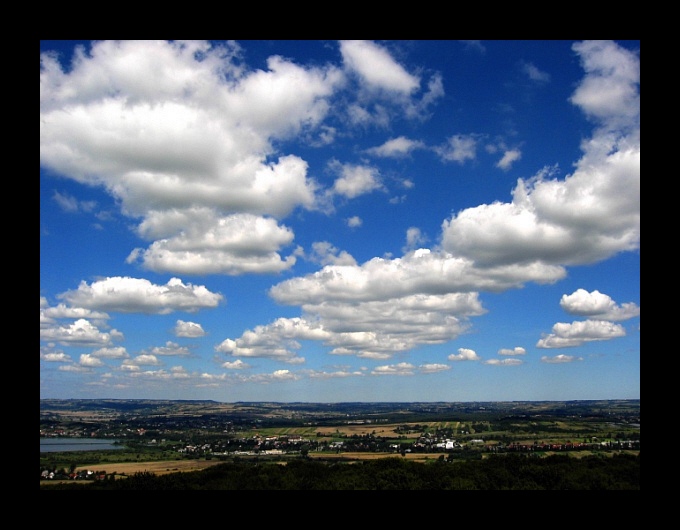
(138, 295)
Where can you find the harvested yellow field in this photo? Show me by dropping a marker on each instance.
(175, 466)
(160, 467)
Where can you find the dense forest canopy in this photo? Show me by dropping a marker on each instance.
(508, 472)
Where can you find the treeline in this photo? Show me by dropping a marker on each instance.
(507, 472)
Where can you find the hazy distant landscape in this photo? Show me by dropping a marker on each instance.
(169, 437)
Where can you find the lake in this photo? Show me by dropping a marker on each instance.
(53, 445)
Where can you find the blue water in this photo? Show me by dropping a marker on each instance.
(53, 445)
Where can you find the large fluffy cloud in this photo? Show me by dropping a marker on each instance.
(593, 213)
(136, 295)
(597, 305)
(79, 333)
(171, 127)
(371, 329)
(418, 272)
(195, 241)
(569, 335)
(192, 128)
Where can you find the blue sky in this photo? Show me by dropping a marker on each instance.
(330, 221)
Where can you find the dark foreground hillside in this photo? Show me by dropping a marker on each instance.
(508, 472)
